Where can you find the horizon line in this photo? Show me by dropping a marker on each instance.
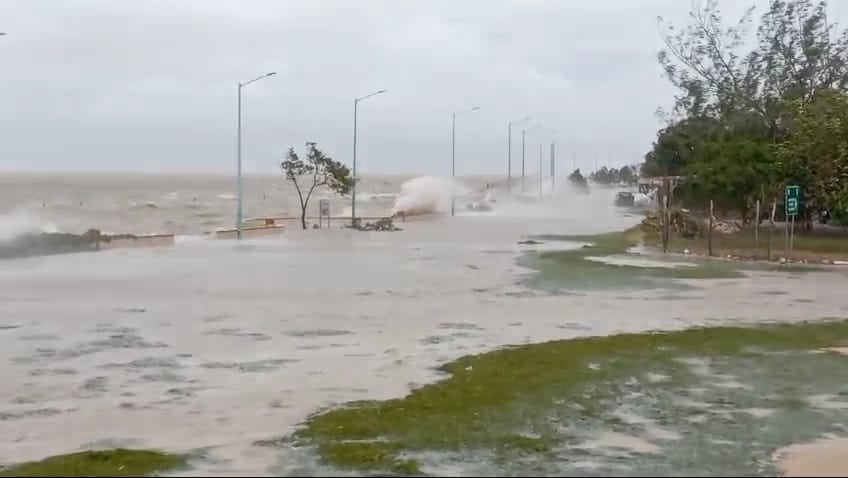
(217, 173)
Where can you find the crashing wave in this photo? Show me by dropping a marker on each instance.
(425, 195)
(18, 223)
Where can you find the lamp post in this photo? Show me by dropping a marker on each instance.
(553, 165)
(540, 170)
(553, 160)
(355, 179)
(239, 182)
(509, 152)
(524, 150)
(453, 155)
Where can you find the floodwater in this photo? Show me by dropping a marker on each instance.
(214, 345)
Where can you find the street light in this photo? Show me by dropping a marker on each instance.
(355, 179)
(540, 169)
(541, 175)
(453, 154)
(509, 153)
(553, 160)
(239, 185)
(524, 151)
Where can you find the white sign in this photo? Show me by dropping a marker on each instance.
(324, 207)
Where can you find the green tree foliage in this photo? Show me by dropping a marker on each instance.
(612, 176)
(676, 145)
(577, 179)
(815, 152)
(730, 171)
(318, 170)
(627, 175)
(755, 108)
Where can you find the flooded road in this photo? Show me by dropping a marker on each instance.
(215, 345)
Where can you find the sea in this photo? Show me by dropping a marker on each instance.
(215, 346)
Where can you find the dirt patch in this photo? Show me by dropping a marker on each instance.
(824, 457)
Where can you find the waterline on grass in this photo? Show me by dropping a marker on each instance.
(543, 407)
(633, 260)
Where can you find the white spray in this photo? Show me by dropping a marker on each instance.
(426, 195)
(17, 224)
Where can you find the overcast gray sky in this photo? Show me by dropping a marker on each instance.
(151, 84)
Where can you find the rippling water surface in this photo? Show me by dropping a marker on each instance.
(216, 345)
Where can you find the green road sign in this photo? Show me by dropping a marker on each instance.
(792, 200)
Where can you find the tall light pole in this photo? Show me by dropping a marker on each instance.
(239, 183)
(453, 155)
(540, 170)
(553, 165)
(553, 160)
(356, 179)
(509, 153)
(524, 150)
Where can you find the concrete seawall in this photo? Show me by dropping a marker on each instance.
(278, 221)
(154, 240)
(335, 221)
(250, 232)
(46, 244)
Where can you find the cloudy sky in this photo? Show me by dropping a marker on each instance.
(151, 85)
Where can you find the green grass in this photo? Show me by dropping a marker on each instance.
(818, 244)
(514, 402)
(574, 268)
(117, 462)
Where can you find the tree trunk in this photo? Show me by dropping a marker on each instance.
(303, 217)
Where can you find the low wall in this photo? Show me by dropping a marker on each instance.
(248, 232)
(276, 221)
(157, 240)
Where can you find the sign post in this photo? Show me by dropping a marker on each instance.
(323, 211)
(792, 205)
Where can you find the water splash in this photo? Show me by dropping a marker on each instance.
(427, 195)
(18, 223)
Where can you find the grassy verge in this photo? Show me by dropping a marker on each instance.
(117, 462)
(581, 268)
(537, 400)
(816, 246)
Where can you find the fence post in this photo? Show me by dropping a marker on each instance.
(791, 236)
(771, 229)
(710, 232)
(757, 227)
(666, 218)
